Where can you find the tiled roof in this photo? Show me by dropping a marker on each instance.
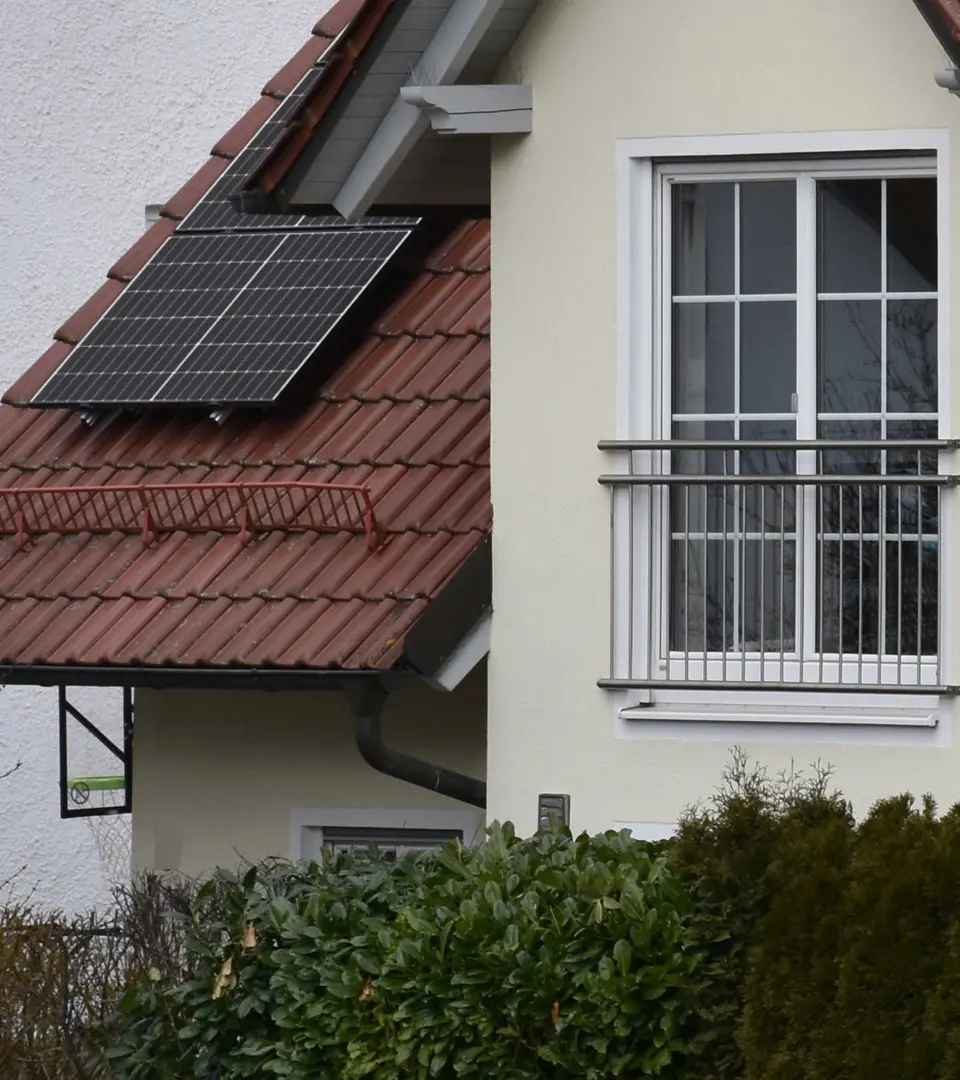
(407, 414)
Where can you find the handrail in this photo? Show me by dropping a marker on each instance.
(679, 445)
(767, 479)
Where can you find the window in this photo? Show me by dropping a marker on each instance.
(390, 844)
(785, 497)
(393, 833)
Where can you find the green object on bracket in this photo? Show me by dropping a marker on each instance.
(96, 783)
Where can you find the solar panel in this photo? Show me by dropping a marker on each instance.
(233, 305)
(222, 319)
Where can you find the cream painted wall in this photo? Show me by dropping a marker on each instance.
(217, 774)
(604, 71)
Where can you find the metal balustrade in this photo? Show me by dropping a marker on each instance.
(806, 565)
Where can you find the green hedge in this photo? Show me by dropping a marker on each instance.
(547, 957)
(775, 939)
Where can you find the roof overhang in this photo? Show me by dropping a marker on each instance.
(943, 18)
(198, 678)
(424, 74)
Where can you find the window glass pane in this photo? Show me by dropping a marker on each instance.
(912, 584)
(849, 595)
(689, 512)
(768, 237)
(912, 234)
(849, 356)
(768, 571)
(911, 355)
(701, 595)
(848, 234)
(768, 356)
(703, 368)
(703, 239)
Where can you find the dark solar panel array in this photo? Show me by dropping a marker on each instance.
(233, 305)
(222, 318)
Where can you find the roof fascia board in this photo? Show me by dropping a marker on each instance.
(465, 657)
(444, 58)
(159, 678)
(500, 109)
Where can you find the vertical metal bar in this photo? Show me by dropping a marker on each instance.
(919, 567)
(62, 720)
(739, 494)
(741, 597)
(840, 523)
(860, 589)
(686, 583)
(706, 572)
(127, 750)
(723, 581)
(938, 609)
(612, 664)
(763, 590)
(899, 680)
(822, 576)
(783, 575)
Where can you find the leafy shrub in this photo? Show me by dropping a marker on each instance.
(521, 958)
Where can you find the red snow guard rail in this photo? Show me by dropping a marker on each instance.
(150, 509)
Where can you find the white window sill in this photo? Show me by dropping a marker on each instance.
(873, 711)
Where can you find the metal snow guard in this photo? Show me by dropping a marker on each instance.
(149, 509)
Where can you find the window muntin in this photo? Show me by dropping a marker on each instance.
(800, 304)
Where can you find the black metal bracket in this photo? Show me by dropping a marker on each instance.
(74, 802)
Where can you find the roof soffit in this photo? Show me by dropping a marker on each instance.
(369, 132)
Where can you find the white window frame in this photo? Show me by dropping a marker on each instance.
(641, 403)
(304, 820)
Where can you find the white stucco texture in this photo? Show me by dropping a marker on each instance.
(606, 71)
(105, 106)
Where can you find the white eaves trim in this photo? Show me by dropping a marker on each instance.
(465, 656)
(500, 109)
(444, 58)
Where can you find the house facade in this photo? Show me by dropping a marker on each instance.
(701, 354)
(671, 109)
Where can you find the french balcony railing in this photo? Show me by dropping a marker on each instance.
(800, 565)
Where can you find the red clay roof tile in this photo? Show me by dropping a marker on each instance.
(34, 377)
(132, 261)
(296, 67)
(337, 18)
(180, 204)
(230, 144)
(395, 417)
(84, 317)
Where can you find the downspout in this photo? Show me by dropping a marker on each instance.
(367, 699)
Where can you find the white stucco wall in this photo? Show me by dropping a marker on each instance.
(219, 774)
(601, 72)
(105, 106)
